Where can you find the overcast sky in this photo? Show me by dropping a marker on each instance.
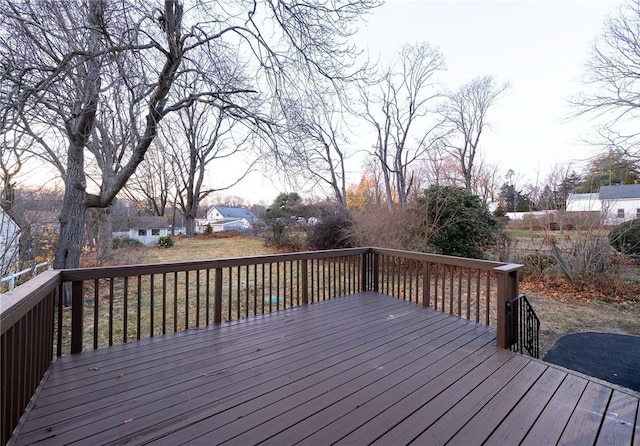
(539, 47)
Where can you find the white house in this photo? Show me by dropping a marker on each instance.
(9, 242)
(583, 203)
(146, 229)
(222, 218)
(620, 203)
(615, 204)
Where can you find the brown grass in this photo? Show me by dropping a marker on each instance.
(205, 247)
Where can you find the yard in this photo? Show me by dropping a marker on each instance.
(561, 310)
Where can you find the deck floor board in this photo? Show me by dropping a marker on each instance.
(356, 370)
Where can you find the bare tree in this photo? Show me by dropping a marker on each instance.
(612, 81)
(485, 181)
(200, 137)
(154, 179)
(61, 61)
(466, 112)
(402, 108)
(317, 144)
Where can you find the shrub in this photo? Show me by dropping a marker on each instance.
(378, 226)
(165, 241)
(126, 242)
(274, 227)
(208, 229)
(625, 237)
(452, 221)
(333, 232)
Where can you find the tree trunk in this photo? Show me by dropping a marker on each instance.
(73, 215)
(190, 224)
(105, 233)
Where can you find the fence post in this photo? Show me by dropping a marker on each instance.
(507, 283)
(305, 282)
(77, 317)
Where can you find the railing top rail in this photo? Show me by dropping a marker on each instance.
(16, 303)
(448, 260)
(159, 268)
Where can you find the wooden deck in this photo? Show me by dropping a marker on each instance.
(356, 370)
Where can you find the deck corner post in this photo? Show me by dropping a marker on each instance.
(305, 282)
(507, 289)
(77, 317)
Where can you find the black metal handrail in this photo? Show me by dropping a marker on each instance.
(523, 327)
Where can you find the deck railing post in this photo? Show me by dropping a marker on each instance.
(426, 284)
(507, 283)
(365, 273)
(305, 282)
(217, 297)
(77, 317)
(376, 271)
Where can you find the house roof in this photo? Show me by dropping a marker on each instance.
(588, 197)
(144, 222)
(619, 192)
(235, 213)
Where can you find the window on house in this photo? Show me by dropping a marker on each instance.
(155, 232)
(637, 213)
(620, 213)
(142, 232)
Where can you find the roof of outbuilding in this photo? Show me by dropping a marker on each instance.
(619, 192)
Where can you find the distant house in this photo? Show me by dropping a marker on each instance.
(146, 229)
(9, 242)
(615, 204)
(620, 203)
(583, 203)
(222, 218)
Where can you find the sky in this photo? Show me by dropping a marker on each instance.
(539, 47)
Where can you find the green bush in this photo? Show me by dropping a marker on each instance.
(625, 237)
(125, 242)
(452, 221)
(165, 241)
(208, 229)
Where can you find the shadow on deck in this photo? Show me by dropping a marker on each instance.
(362, 369)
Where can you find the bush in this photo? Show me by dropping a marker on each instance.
(208, 229)
(452, 221)
(333, 232)
(625, 237)
(165, 241)
(125, 242)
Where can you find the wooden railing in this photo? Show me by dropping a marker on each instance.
(121, 304)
